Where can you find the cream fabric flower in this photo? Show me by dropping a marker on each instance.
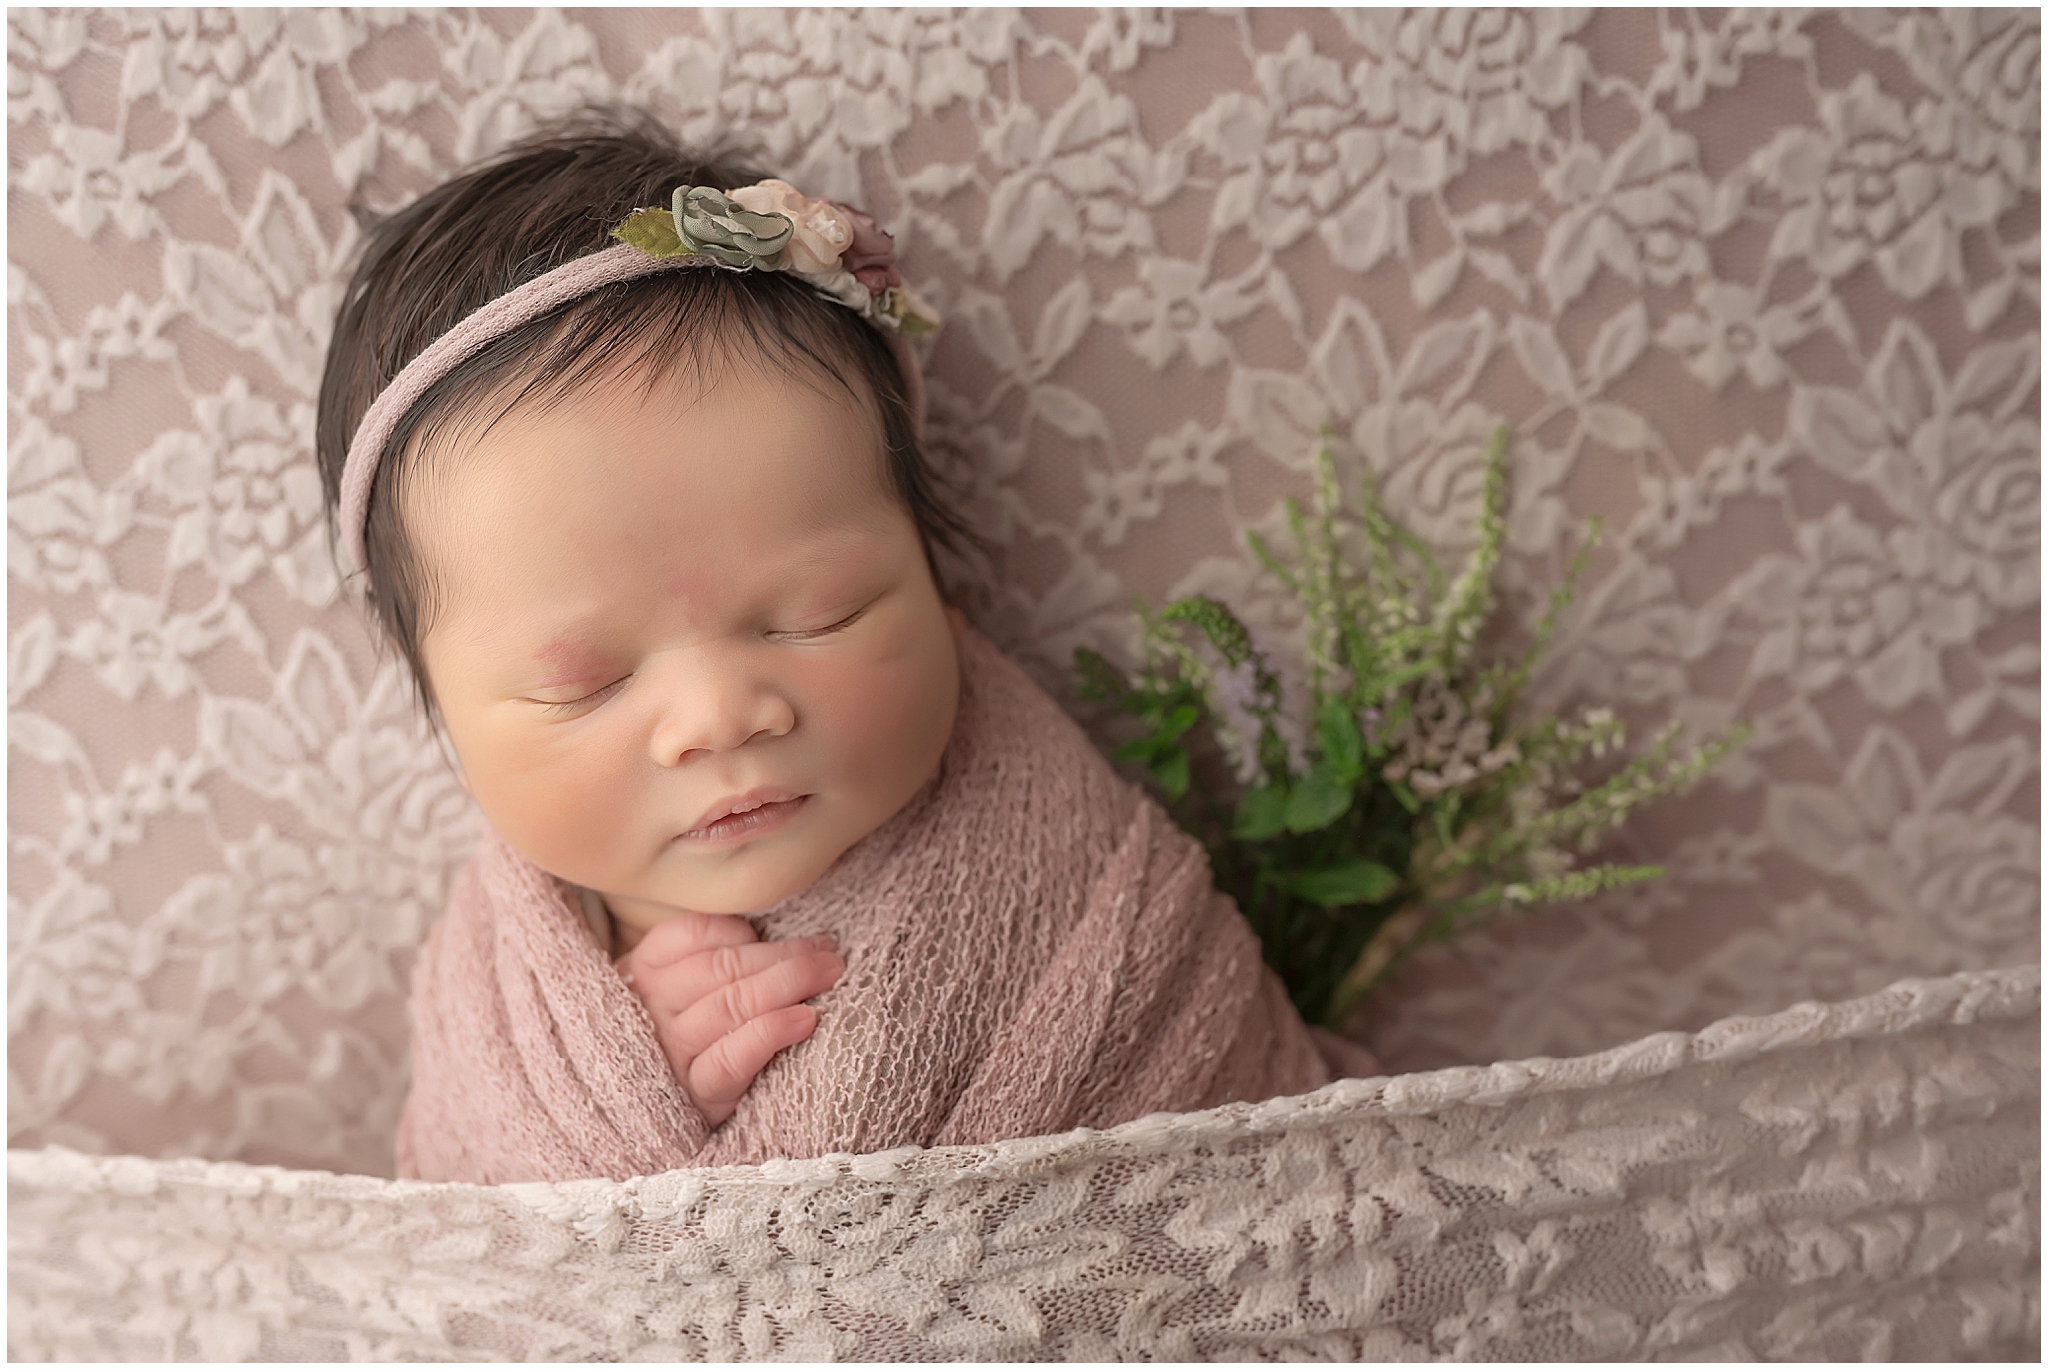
(846, 289)
(822, 231)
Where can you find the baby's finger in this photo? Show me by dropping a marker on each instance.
(721, 1074)
(668, 990)
(695, 1029)
(687, 934)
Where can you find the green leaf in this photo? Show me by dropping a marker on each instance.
(1394, 716)
(914, 324)
(1176, 722)
(1337, 731)
(1261, 813)
(1225, 631)
(1273, 564)
(1318, 800)
(653, 231)
(1099, 679)
(1171, 771)
(1139, 749)
(1357, 881)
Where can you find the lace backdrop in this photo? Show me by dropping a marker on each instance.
(1761, 289)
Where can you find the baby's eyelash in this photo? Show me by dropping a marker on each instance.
(594, 698)
(807, 634)
(597, 697)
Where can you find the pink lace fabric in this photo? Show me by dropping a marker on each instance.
(1031, 946)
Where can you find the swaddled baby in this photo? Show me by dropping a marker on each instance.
(783, 858)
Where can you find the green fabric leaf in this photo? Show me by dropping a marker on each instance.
(1357, 881)
(1261, 813)
(653, 231)
(1337, 731)
(1171, 771)
(1319, 799)
(911, 314)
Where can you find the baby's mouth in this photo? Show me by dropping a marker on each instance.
(746, 816)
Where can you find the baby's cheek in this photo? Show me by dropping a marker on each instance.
(563, 812)
(898, 715)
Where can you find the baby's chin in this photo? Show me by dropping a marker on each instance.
(744, 887)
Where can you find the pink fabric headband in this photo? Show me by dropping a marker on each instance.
(860, 274)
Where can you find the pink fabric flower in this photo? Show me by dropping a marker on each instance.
(823, 232)
(872, 257)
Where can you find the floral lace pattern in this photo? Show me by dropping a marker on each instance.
(1542, 1210)
(1761, 288)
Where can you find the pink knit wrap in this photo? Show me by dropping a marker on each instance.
(1031, 945)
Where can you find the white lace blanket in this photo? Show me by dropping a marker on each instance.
(1857, 1180)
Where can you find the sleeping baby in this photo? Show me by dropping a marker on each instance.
(782, 857)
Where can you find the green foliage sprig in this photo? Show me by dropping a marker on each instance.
(1408, 800)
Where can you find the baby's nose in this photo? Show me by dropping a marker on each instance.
(717, 711)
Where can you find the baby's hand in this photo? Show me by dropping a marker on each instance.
(724, 1002)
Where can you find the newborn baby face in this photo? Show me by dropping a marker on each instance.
(683, 639)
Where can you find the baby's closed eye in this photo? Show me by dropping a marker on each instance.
(580, 700)
(807, 634)
(584, 701)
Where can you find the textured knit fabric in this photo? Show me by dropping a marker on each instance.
(1031, 945)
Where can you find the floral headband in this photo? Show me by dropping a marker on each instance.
(770, 226)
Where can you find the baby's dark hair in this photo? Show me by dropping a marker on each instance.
(544, 202)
